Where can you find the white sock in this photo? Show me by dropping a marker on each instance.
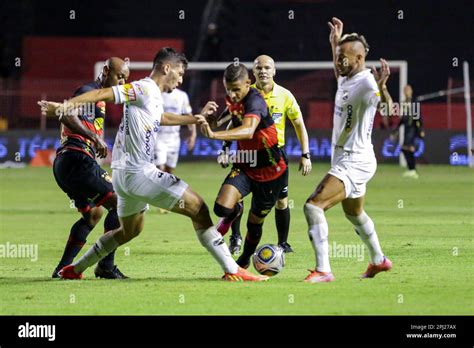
(365, 228)
(318, 234)
(215, 244)
(104, 246)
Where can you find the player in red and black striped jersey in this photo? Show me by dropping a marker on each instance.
(258, 167)
(92, 118)
(79, 175)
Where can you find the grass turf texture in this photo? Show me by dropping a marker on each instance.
(425, 227)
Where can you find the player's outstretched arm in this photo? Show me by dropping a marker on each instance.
(335, 35)
(243, 132)
(57, 109)
(68, 111)
(170, 119)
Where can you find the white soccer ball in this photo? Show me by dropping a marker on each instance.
(269, 259)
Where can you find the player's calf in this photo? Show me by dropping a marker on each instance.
(193, 206)
(252, 239)
(318, 235)
(365, 229)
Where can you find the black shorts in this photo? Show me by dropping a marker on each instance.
(264, 194)
(82, 179)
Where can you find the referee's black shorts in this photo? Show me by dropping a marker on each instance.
(82, 179)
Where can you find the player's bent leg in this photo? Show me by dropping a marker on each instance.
(228, 207)
(236, 238)
(365, 228)
(193, 206)
(78, 237)
(252, 238)
(328, 193)
(131, 226)
(106, 267)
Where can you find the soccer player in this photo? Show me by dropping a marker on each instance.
(353, 160)
(136, 179)
(79, 175)
(282, 105)
(257, 137)
(168, 139)
(413, 128)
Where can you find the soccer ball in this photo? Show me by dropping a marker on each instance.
(269, 259)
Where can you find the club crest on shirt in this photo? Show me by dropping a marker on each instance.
(106, 177)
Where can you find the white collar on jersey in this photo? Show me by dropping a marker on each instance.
(360, 74)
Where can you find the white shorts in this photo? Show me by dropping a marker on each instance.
(149, 186)
(353, 169)
(167, 150)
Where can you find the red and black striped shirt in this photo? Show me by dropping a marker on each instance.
(270, 163)
(92, 119)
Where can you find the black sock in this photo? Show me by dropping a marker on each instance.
(254, 234)
(77, 238)
(282, 222)
(111, 222)
(236, 225)
(411, 163)
(410, 158)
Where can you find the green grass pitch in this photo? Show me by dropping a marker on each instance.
(426, 228)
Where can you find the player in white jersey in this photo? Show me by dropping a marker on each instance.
(136, 179)
(169, 142)
(353, 161)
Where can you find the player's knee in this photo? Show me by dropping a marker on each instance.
(93, 216)
(257, 217)
(222, 211)
(317, 202)
(128, 235)
(203, 212)
(282, 204)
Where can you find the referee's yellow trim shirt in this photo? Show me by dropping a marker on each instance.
(281, 105)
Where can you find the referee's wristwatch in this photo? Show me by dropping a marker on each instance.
(306, 155)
